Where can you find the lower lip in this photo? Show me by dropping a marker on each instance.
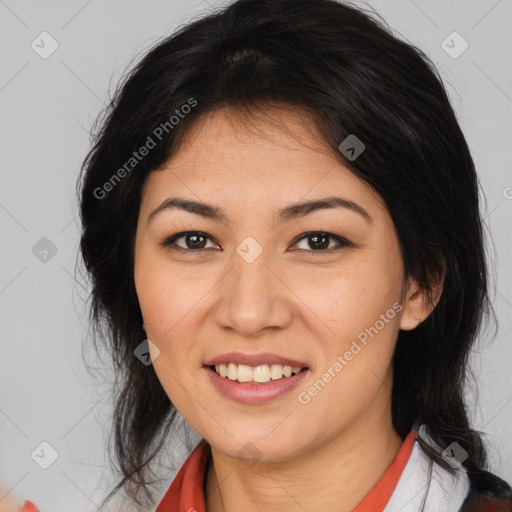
(247, 393)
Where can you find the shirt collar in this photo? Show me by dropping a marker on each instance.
(186, 492)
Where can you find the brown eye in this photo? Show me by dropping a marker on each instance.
(316, 241)
(319, 241)
(193, 241)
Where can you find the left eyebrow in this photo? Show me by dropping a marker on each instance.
(301, 209)
(285, 214)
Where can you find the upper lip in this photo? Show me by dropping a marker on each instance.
(254, 359)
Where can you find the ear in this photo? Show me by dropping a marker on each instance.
(417, 307)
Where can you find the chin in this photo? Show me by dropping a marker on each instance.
(254, 449)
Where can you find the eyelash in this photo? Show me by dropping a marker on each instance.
(169, 242)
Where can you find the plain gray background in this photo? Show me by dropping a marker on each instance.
(48, 106)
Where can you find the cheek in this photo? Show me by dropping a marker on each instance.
(359, 310)
(348, 299)
(167, 295)
(355, 369)
(167, 304)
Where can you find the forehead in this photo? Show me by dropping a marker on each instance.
(256, 156)
(229, 136)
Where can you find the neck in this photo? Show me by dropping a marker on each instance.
(334, 477)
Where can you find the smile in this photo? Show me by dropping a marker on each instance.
(256, 374)
(250, 391)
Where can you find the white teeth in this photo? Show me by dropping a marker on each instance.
(260, 374)
(244, 373)
(232, 371)
(276, 371)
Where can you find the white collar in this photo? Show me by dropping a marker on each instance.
(446, 492)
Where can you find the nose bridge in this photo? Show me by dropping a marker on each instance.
(252, 296)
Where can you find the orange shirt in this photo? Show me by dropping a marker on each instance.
(28, 506)
(186, 491)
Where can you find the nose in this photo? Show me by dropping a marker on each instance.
(254, 296)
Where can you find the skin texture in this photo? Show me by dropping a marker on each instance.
(8, 503)
(305, 304)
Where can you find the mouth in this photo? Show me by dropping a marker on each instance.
(255, 385)
(258, 375)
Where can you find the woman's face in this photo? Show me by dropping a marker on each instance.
(253, 283)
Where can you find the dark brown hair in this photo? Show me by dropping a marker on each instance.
(351, 75)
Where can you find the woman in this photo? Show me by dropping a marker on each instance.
(280, 213)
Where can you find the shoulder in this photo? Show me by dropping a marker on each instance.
(488, 493)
